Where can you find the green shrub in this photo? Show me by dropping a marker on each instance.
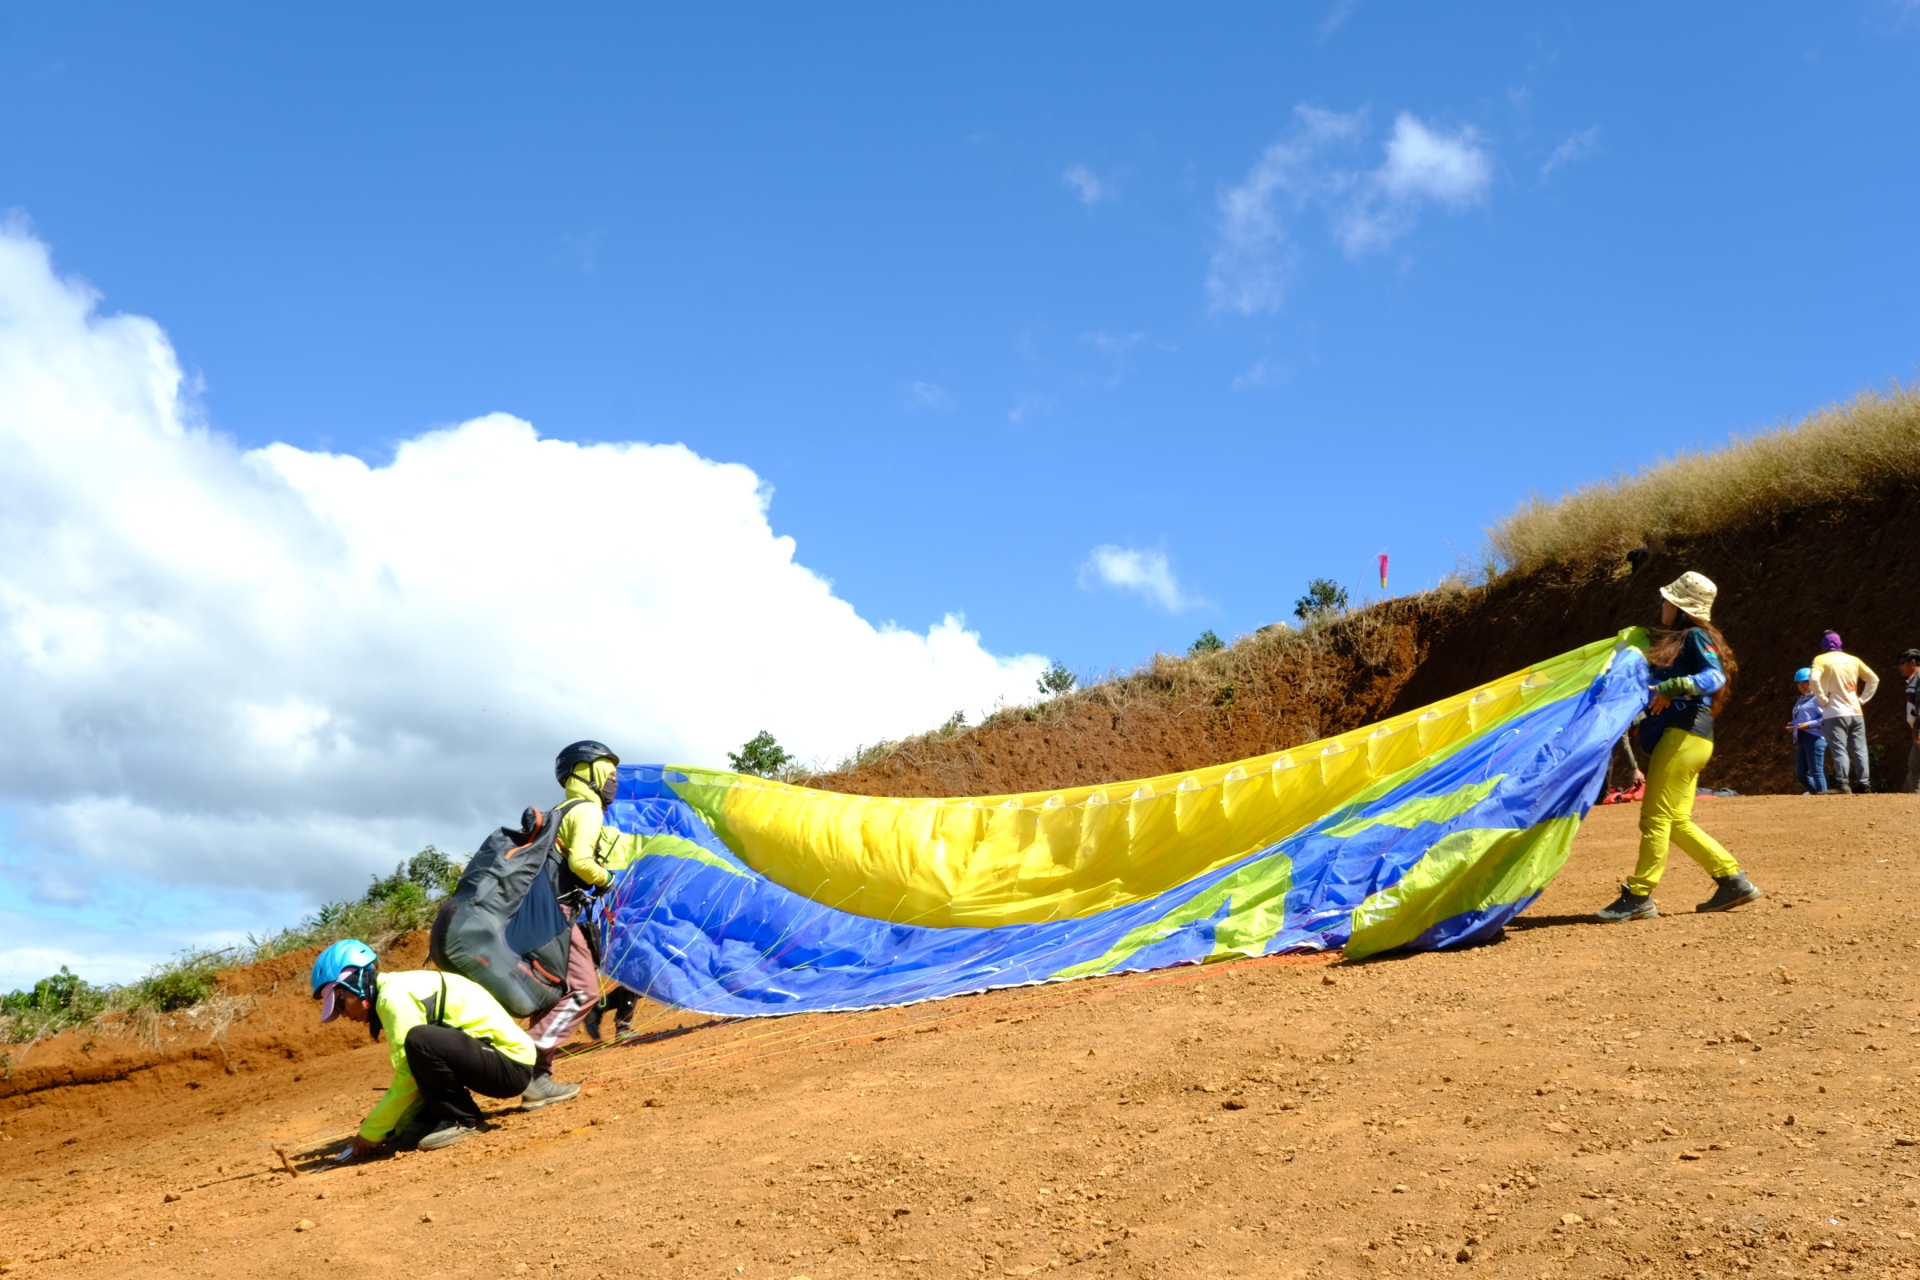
(178, 984)
(1207, 643)
(427, 874)
(761, 755)
(1324, 598)
(1056, 680)
(56, 1002)
(392, 905)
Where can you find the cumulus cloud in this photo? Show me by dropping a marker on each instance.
(278, 670)
(1145, 572)
(1085, 184)
(1577, 147)
(1368, 209)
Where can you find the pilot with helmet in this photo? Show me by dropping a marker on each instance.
(448, 1039)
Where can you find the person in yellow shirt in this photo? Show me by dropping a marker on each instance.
(1844, 685)
(586, 772)
(447, 1036)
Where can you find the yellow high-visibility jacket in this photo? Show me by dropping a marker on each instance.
(411, 999)
(584, 838)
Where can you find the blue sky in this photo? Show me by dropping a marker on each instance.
(1258, 292)
(759, 233)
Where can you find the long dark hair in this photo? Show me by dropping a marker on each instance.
(1666, 647)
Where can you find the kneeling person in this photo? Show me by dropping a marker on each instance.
(448, 1036)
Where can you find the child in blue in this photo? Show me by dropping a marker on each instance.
(1810, 743)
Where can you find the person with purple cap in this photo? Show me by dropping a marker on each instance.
(447, 1037)
(1910, 672)
(1844, 685)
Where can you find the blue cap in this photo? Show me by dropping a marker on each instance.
(1804, 673)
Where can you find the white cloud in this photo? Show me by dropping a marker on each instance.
(1029, 405)
(1085, 184)
(1117, 349)
(1146, 572)
(1337, 17)
(927, 395)
(1577, 147)
(1264, 372)
(273, 671)
(1423, 165)
(1255, 256)
(1251, 266)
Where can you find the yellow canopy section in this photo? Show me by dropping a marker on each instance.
(1048, 855)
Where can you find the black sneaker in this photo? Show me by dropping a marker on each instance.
(592, 1023)
(1628, 906)
(1734, 891)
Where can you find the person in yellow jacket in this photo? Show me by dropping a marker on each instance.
(1843, 685)
(586, 772)
(446, 1035)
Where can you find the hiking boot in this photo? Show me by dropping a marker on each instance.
(1734, 891)
(1628, 906)
(545, 1091)
(448, 1134)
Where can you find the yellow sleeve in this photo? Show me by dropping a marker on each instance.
(402, 1098)
(580, 831)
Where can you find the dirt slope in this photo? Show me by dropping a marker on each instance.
(1696, 1095)
(1780, 587)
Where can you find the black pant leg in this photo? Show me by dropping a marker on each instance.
(446, 1062)
(623, 1000)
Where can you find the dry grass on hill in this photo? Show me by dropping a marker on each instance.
(1854, 452)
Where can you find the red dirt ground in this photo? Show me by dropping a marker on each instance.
(1695, 1095)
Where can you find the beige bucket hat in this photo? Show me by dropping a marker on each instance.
(1692, 594)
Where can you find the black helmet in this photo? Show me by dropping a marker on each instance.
(580, 753)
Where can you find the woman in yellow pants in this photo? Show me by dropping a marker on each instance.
(1691, 666)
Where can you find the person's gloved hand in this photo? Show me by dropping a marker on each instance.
(359, 1149)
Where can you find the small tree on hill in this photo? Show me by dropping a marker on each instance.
(1207, 643)
(1056, 679)
(761, 755)
(1324, 597)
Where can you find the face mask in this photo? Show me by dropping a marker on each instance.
(607, 789)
